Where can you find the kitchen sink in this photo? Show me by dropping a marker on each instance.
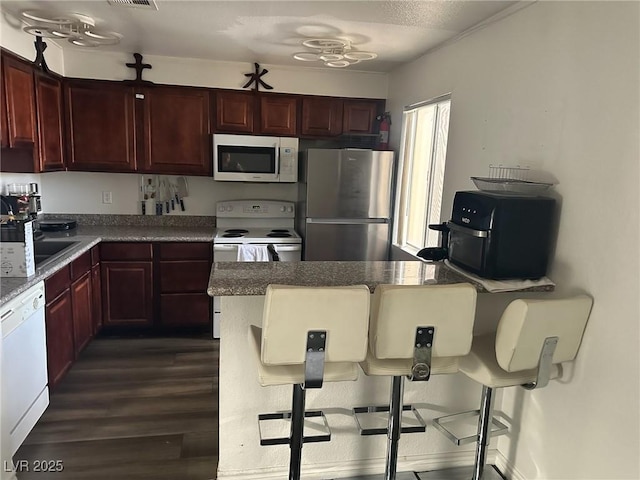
(46, 250)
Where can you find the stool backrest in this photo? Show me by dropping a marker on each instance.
(291, 311)
(525, 324)
(397, 310)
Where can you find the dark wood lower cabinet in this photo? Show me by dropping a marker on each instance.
(127, 293)
(185, 310)
(96, 293)
(82, 301)
(60, 348)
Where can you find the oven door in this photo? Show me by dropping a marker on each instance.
(468, 247)
(287, 252)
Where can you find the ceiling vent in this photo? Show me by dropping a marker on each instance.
(145, 4)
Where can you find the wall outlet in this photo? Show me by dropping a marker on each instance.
(107, 197)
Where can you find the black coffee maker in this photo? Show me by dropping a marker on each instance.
(441, 252)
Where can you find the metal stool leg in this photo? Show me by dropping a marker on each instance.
(395, 423)
(297, 431)
(484, 432)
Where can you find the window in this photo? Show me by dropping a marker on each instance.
(423, 152)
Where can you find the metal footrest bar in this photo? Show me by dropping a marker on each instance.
(399, 476)
(371, 424)
(321, 424)
(460, 473)
(462, 428)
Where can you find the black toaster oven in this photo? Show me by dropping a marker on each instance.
(501, 235)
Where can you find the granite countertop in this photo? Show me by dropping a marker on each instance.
(89, 236)
(252, 278)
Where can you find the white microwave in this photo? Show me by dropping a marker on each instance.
(249, 158)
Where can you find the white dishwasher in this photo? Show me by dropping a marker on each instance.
(23, 371)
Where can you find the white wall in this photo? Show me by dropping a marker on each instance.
(66, 192)
(556, 86)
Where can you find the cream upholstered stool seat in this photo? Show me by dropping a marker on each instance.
(309, 335)
(533, 338)
(415, 331)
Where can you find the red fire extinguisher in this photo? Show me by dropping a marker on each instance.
(385, 124)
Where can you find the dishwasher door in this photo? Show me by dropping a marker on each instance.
(25, 395)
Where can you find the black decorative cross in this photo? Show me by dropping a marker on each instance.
(40, 48)
(255, 77)
(139, 66)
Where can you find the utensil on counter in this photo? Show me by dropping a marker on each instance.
(164, 191)
(183, 190)
(158, 197)
(142, 195)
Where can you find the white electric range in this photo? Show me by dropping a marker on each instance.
(254, 230)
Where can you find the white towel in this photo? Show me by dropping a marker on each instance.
(253, 253)
(500, 285)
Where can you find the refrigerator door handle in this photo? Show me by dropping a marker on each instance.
(347, 221)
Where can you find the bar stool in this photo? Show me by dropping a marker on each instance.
(417, 331)
(532, 339)
(309, 335)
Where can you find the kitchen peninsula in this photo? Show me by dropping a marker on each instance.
(242, 287)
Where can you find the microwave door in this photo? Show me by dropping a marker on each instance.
(246, 163)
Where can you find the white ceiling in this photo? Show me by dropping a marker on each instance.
(269, 32)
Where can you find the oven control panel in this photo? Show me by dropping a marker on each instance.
(255, 209)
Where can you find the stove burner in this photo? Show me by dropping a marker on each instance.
(280, 230)
(232, 235)
(279, 235)
(236, 230)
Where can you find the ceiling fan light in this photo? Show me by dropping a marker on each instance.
(306, 56)
(325, 43)
(83, 42)
(43, 31)
(44, 17)
(103, 38)
(331, 57)
(359, 56)
(338, 64)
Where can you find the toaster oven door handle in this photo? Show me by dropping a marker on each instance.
(454, 227)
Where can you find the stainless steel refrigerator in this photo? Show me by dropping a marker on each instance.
(344, 209)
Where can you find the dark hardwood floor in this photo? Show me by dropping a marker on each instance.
(134, 409)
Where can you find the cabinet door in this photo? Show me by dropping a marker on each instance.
(4, 127)
(21, 104)
(234, 111)
(176, 131)
(278, 115)
(82, 301)
(127, 293)
(321, 117)
(60, 350)
(360, 116)
(185, 310)
(96, 298)
(101, 126)
(49, 108)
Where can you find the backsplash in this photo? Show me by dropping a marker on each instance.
(135, 220)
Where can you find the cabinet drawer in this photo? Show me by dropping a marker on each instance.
(184, 276)
(123, 251)
(185, 251)
(80, 266)
(185, 309)
(57, 283)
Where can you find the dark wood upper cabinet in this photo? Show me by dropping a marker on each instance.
(234, 111)
(176, 131)
(4, 127)
(100, 126)
(50, 123)
(321, 117)
(278, 115)
(20, 103)
(360, 116)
